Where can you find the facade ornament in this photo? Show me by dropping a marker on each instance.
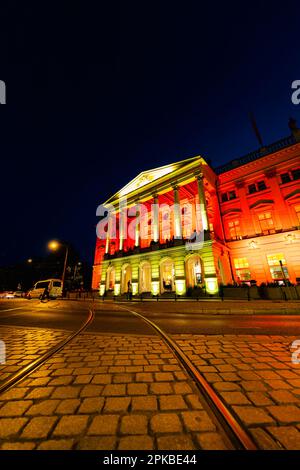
(290, 238)
(253, 245)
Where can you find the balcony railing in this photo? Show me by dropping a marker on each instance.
(280, 144)
(154, 246)
(255, 235)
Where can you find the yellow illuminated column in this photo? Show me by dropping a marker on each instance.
(202, 201)
(122, 220)
(177, 214)
(155, 218)
(108, 235)
(137, 225)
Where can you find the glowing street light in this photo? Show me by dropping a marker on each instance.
(55, 245)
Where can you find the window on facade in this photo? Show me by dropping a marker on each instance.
(255, 187)
(252, 188)
(285, 178)
(296, 174)
(242, 270)
(228, 196)
(278, 268)
(266, 223)
(234, 230)
(261, 185)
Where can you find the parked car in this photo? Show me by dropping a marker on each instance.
(7, 295)
(19, 293)
(54, 287)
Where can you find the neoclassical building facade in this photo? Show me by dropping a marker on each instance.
(187, 225)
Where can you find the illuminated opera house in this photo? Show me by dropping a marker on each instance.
(188, 225)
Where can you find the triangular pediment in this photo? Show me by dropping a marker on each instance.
(150, 176)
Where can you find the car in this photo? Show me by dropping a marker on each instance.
(19, 293)
(54, 287)
(7, 295)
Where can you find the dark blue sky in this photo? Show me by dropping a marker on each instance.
(94, 96)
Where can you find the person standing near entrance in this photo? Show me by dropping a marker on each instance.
(129, 290)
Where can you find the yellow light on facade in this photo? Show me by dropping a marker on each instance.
(180, 287)
(117, 289)
(155, 287)
(211, 285)
(135, 289)
(102, 289)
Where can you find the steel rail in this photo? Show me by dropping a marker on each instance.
(234, 431)
(32, 366)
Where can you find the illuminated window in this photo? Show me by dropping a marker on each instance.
(234, 230)
(266, 223)
(297, 209)
(242, 270)
(278, 267)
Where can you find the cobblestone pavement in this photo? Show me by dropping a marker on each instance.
(129, 392)
(256, 378)
(23, 345)
(107, 392)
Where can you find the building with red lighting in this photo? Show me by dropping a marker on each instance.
(186, 225)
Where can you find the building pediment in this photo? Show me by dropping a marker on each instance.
(147, 178)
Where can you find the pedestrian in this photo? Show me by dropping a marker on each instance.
(129, 290)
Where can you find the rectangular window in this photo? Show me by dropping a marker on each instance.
(232, 195)
(285, 178)
(234, 230)
(261, 185)
(252, 188)
(266, 223)
(224, 197)
(278, 268)
(296, 174)
(242, 270)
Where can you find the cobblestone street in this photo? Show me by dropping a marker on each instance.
(130, 392)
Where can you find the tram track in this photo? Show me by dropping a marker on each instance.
(21, 374)
(231, 428)
(234, 434)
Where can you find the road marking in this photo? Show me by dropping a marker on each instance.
(10, 309)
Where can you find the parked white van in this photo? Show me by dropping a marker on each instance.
(54, 287)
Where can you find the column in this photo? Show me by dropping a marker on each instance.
(122, 225)
(281, 213)
(137, 225)
(155, 218)
(177, 214)
(108, 235)
(247, 223)
(202, 201)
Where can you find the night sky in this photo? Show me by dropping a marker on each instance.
(95, 96)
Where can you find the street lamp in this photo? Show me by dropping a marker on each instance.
(55, 245)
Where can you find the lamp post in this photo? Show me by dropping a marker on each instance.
(54, 245)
